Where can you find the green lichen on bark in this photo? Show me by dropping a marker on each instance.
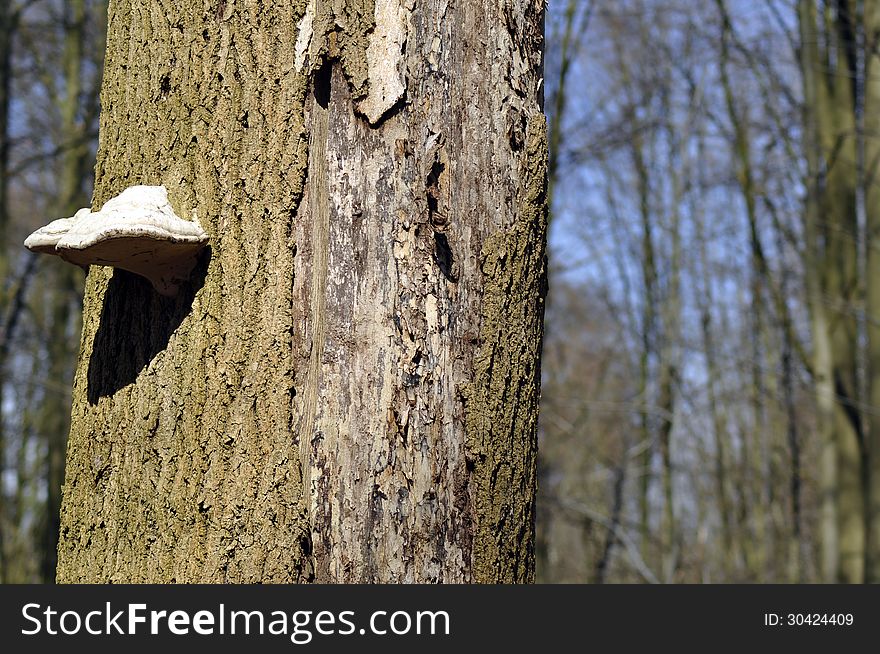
(502, 399)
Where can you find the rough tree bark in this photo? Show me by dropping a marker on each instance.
(348, 389)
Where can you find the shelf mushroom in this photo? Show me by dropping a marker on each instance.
(136, 231)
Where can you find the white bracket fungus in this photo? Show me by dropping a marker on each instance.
(136, 231)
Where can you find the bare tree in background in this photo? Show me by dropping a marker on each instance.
(53, 50)
(676, 200)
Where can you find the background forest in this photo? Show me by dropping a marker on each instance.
(711, 401)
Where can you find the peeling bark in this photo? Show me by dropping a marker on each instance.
(348, 390)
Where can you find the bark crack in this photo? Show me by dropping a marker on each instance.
(319, 208)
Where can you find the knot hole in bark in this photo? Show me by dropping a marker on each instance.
(439, 221)
(136, 324)
(322, 80)
(443, 256)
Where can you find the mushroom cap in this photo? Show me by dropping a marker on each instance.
(140, 213)
(46, 238)
(137, 231)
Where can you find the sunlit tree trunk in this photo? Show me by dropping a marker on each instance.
(831, 266)
(837, 129)
(347, 389)
(822, 373)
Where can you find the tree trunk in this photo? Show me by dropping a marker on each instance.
(347, 391)
(6, 34)
(837, 130)
(8, 21)
(815, 283)
(832, 281)
(63, 281)
(872, 278)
